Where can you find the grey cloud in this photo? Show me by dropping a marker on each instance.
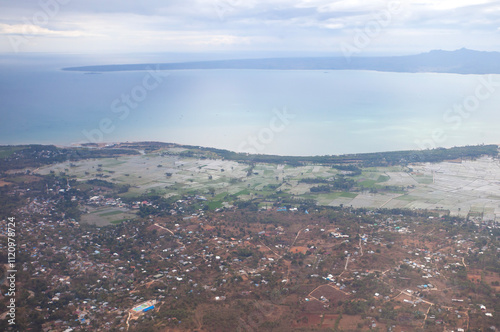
(258, 23)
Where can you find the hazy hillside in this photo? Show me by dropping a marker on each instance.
(463, 61)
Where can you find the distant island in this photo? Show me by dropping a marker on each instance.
(463, 61)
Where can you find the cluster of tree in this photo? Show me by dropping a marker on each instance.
(10, 202)
(250, 205)
(69, 208)
(117, 188)
(388, 311)
(74, 154)
(15, 157)
(160, 205)
(146, 146)
(368, 286)
(363, 159)
(406, 212)
(355, 307)
(352, 169)
(243, 253)
(314, 180)
(250, 170)
(101, 183)
(321, 189)
(303, 203)
(340, 183)
(188, 154)
(22, 156)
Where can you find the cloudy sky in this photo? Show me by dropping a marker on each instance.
(323, 26)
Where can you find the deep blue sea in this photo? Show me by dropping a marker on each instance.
(263, 111)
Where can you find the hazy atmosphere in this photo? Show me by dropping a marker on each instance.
(305, 26)
(233, 107)
(249, 165)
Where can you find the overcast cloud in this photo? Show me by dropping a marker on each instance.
(396, 27)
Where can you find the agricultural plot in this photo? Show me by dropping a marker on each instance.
(107, 216)
(370, 200)
(402, 179)
(460, 187)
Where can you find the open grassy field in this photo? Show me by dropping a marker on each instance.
(107, 216)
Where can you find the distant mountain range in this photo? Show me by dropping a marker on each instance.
(463, 61)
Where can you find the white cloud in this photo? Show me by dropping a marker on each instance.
(354, 6)
(334, 26)
(449, 4)
(250, 24)
(35, 30)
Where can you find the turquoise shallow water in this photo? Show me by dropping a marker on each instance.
(330, 112)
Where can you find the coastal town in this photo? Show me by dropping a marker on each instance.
(91, 258)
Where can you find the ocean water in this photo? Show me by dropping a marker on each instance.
(259, 111)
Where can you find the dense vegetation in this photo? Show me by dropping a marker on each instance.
(369, 159)
(327, 185)
(349, 162)
(21, 156)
